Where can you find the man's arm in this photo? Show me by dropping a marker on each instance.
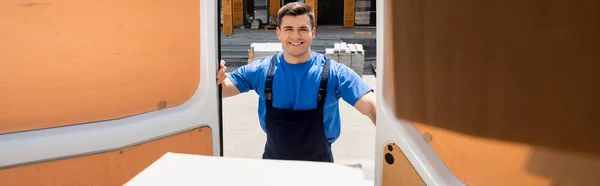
(228, 88)
(239, 81)
(356, 92)
(366, 105)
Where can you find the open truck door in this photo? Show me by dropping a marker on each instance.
(93, 92)
(488, 92)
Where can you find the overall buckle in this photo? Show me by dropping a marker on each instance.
(268, 94)
(322, 93)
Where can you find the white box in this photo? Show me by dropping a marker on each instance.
(345, 58)
(262, 50)
(329, 52)
(351, 55)
(184, 169)
(358, 60)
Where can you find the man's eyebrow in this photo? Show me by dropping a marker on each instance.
(301, 27)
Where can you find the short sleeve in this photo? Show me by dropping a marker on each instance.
(351, 86)
(245, 77)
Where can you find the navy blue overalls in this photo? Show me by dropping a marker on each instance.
(296, 134)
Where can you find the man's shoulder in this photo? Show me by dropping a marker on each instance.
(322, 58)
(260, 63)
(253, 70)
(334, 65)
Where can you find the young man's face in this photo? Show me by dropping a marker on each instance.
(296, 34)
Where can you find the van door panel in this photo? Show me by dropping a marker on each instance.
(489, 92)
(114, 167)
(72, 62)
(101, 89)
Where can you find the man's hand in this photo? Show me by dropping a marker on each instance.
(228, 88)
(221, 74)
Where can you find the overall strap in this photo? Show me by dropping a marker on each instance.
(323, 86)
(269, 81)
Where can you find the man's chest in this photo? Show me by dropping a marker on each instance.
(296, 91)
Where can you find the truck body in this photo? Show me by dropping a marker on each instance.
(468, 93)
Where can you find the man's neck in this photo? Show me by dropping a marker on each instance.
(297, 60)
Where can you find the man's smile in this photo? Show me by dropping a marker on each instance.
(295, 43)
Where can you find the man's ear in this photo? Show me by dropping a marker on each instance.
(314, 31)
(278, 31)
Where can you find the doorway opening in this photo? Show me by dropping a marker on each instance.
(330, 12)
(290, 1)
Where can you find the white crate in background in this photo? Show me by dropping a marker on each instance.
(263, 50)
(351, 55)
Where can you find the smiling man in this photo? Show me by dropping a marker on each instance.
(299, 91)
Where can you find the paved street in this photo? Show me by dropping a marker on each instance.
(244, 138)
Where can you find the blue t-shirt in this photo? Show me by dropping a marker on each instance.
(296, 86)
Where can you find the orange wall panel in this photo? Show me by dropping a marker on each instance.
(388, 91)
(76, 61)
(483, 161)
(397, 170)
(521, 71)
(109, 168)
(479, 161)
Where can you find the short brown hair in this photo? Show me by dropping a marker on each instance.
(295, 9)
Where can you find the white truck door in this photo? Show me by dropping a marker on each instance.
(487, 92)
(92, 92)
(402, 156)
